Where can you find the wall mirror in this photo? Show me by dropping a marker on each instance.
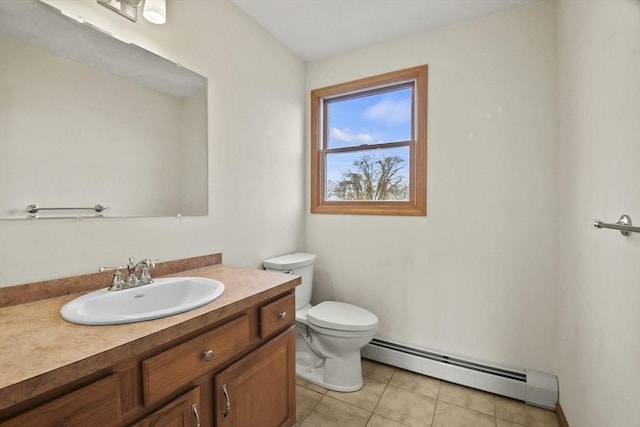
(86, 120)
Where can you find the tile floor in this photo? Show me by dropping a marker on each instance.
(393, 397)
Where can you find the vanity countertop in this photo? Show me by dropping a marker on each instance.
(41, 351)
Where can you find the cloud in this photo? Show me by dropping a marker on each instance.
(347, 136)
(390, 111)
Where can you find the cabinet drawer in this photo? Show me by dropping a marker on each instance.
(97, 404)
(177, 367)
(277, 315)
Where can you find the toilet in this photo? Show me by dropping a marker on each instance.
(330, 335)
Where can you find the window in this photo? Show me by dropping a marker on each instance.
(369, 145)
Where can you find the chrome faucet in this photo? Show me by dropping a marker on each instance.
(133, 279)
(145, 276)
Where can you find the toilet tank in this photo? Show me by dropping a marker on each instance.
(300, 264)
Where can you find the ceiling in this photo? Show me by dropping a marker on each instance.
(314, 29)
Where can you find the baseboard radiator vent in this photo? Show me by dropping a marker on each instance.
(533, 387)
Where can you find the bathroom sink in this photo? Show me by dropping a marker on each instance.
(162, 298)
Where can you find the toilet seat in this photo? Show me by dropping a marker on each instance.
(341, 316)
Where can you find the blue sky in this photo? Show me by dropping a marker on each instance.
(385, 117)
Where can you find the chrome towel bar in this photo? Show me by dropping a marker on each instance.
(624, 224)
(33, 208)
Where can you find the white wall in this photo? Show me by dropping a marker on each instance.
(256, 128)
(476, 276)
(599, 273)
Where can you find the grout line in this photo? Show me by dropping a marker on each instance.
(380, 398)
(386, 384)
(313, 407)
(368, 419)
(435, 408)
(439, 387)
(474, 410)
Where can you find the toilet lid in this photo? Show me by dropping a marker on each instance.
(341, 316)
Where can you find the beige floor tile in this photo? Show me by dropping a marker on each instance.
(448, 415)
(366, 398)
(306, 384)
(305, 401)
(468, 398)
(521, 413)
(416, 383)
(332, 412)
(503, 423)
(406, 407)
(377, 371)
(378, 421)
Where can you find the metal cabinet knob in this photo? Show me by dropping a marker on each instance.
(282, 315)
(207, 355)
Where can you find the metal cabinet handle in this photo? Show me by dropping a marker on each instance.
(194, 409)
(282, 315)
(227, 408)
(207, 355)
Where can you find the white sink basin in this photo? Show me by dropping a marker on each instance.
(162, 298)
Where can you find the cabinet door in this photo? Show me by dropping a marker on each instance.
(259, 390)
(180, 412)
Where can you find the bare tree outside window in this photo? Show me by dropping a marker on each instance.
(373, 178)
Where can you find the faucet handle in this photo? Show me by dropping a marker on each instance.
(145, 276)
(117, 282)
(117, 270)
(151, 263)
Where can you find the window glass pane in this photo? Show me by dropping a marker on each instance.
(381, 174)
(370, 119)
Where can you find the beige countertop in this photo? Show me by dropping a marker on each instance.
(40, 351)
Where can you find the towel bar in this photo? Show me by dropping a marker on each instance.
(624, 224)
(33, 208)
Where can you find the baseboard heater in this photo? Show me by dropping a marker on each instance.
(533, 387)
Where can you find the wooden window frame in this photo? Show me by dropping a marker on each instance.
(417, 203)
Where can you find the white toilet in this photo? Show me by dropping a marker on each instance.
(329, 335)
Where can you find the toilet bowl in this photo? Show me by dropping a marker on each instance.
(330, 335)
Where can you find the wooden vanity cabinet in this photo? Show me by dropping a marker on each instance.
(242, 366)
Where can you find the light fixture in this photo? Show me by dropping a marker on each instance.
(154, 11)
